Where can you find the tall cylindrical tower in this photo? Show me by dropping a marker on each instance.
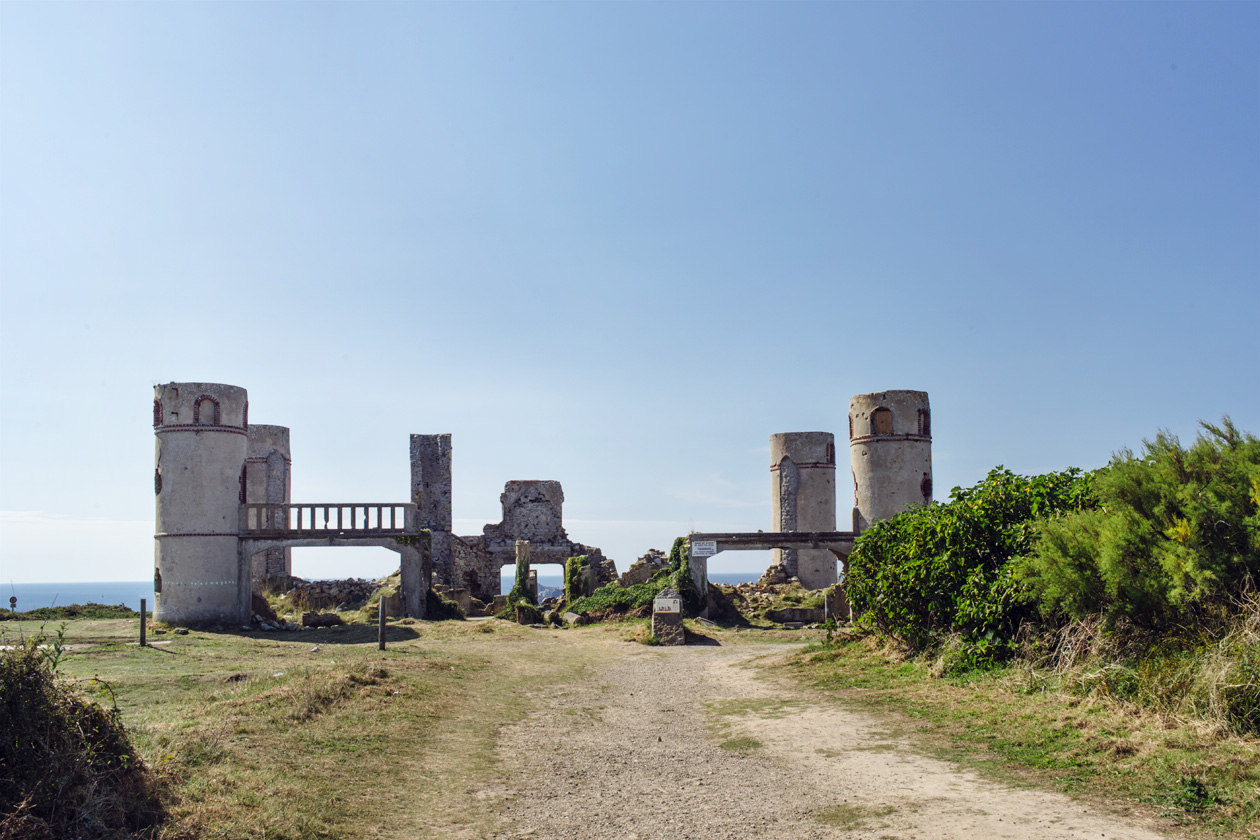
(268, 465)
(803, 498)
(890, 448)
(200, 484)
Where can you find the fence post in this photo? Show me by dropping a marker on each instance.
(143, 616)
(380, 623)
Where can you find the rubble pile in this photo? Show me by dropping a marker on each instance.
(641, 570)
(347, 594)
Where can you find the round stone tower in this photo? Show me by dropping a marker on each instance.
(200, 480)
(803, 498)
(890, 448)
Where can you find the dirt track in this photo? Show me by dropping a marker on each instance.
(635, 753)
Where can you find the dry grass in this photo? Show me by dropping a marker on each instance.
(262, 735)
(1015, 724)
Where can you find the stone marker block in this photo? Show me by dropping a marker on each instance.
(667, 624)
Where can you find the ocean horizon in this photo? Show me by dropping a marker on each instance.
(33, 596)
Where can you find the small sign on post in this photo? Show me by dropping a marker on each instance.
(667, 605)
(704, 548)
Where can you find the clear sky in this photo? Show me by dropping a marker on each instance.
(612, 244)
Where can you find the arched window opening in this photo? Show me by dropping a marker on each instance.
(926, 487)
(831, 454)
(881, 422)
(925, 421)
(204, 414)
(157, 413)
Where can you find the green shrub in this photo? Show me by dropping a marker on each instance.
(67, 767)
(948, 568)
(676, 576)
(1177, 531)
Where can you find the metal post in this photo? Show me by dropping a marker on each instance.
(143, 615)
(380, 623)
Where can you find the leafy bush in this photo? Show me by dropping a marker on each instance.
(1177, 532)
(948, 568)
(68, 767)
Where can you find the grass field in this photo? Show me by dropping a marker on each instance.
(318, 734)
(1010, 727)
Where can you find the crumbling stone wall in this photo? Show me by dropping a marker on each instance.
(431, 494)
(532, 511)
(268, 468)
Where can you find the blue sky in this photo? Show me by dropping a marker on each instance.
(616, 245)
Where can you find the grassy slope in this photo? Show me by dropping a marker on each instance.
(265, 737)
(1008, 727)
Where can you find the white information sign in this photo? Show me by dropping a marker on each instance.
(667, 605)
(703, 548)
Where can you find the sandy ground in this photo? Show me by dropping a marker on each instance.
(635, 753)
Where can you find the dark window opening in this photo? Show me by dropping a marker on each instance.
(925, 421)
(157, 413)
(881, 422)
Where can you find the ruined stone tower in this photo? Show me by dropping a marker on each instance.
(803, 498)
(890, 449)
(268, 480)
(431, 494)
(200, 482)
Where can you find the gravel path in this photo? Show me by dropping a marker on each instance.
(636, 753)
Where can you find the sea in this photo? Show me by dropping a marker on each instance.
(32, 596)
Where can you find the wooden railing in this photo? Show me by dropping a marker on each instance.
(328, 519)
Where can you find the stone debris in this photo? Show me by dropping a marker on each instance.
(641, 570)
(350, 593)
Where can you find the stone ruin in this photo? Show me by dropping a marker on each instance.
(470, 566)
(532, 512)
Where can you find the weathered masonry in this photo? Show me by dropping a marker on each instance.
(890, 455)
(223, 499)
(226, 521)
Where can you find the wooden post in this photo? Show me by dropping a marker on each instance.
(143, 616)
(380, 623)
